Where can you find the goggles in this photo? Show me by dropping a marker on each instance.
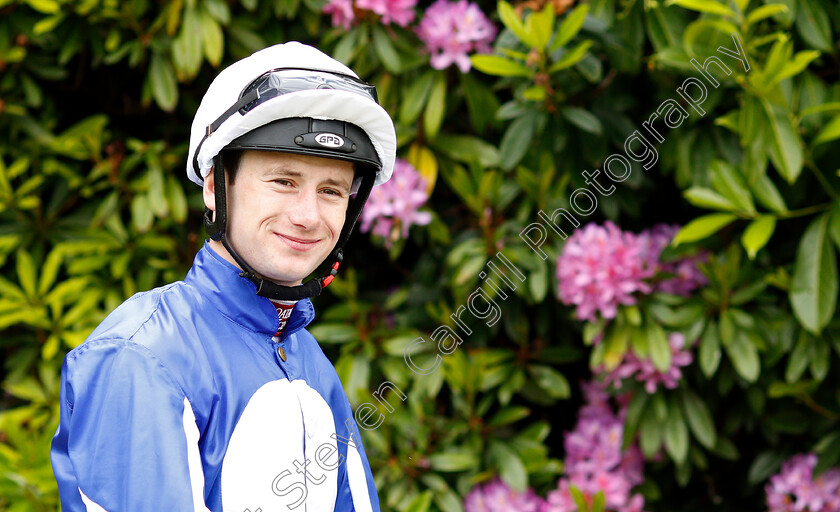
(282, 81)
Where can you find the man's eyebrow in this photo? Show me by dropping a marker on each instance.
(286, 172)
(282, 171)
(337, 183)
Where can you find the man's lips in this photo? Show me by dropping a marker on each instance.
(299, 244)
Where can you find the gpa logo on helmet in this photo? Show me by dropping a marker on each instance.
(329, 140)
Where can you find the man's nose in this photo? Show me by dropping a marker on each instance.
(304, 210)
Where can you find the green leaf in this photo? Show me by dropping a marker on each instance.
(744, 357)
(499, 66)
(212, 39)
(45, 6)
(785, 143)
(765, 11)
(25, 266)
(676, 434)
(163, 83)
(728, 182)
(467, 149)
(660, 349)
(421, 502)
(571, 57)
(186, 48)
(385, 49)
(583, 119)
(699, 418)
(797, 64)
(435, 108)
(703, 227)
(455, 460)
(650, 433)
(757, 234)
(768, 195)
(539, 24)
(813, 290)
(551, 381)
(336, 333)
(415, 97)
(509, 415)
(829, 132)
(511, 20)
(141, 213)
(509, 465)
(516, 141)
(765, 465)
(709, 6)
(706, 198)
(570, 26)
(820, 359)
(798, 360)
(813, 25)
(50, 270)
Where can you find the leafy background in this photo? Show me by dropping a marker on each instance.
(96, 97)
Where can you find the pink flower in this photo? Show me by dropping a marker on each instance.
(400, 12)
(496, 496)
(394, 206)
(595, 461)
(687, 275)
(341, 11)
(645, 371)
(451, 30)
(795, 489)
(600, 268)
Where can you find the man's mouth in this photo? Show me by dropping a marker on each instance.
(299, 244)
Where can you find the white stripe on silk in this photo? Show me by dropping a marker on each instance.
(357, 479)
(90, 505)
(194, 458)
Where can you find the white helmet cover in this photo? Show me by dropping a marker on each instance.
(333, 104)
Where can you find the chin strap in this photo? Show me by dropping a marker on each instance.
(217, 230)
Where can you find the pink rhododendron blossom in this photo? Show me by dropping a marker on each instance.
(644, 370)
(452, 30)
(602, 267)
(686, 275)
(796, 490)
(341, 11)
(400, 12)
(595, 461)
(394, 206)
(496, 496)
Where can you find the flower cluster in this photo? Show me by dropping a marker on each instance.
(796, 490)
(496, 496)
(343, 12)
(452, 30)
(645, 371)
(602, 267)
(686, 276)
(394, 206)
(595, 461)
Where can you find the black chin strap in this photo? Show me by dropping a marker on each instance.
(217, 230)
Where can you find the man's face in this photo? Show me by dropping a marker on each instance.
(285, 212)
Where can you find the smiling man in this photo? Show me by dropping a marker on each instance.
(209, 394)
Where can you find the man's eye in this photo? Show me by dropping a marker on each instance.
(283, 182)
(332, 191)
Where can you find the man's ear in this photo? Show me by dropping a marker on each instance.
(210, 191)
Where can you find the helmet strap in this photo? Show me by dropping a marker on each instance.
(217, 230)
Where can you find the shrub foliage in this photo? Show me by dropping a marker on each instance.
(96, 99)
